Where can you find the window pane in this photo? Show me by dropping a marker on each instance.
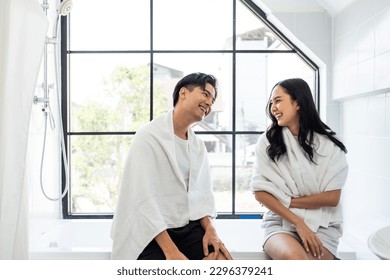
(220, 158)
(96, 164)
(288, 65)
(245, 157)
(110, 25)
(256, 75)
(192, 24)
(253, 34)
(172, 67)
(109, 92)
(251, 92)
(164, 81)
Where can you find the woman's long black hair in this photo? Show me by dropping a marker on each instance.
(309, 121)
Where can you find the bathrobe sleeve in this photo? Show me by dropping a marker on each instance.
(267, 176)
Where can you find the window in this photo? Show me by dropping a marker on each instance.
(121, 61)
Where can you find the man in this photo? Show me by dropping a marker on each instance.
(166, 202)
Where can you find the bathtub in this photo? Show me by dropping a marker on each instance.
(86, 239)
(89, 239)
(71, 239)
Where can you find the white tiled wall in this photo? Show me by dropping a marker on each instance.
(361, 48)
(362, 83)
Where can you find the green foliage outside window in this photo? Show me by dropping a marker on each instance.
(99, 159)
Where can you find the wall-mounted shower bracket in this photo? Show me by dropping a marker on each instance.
(45, 6)
(40, 100)
(50, 40)
(45, 100)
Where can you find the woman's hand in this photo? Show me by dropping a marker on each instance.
(310, 241)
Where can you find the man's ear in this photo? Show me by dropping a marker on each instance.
(183, 91)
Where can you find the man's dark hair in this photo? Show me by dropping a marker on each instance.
(194, 80)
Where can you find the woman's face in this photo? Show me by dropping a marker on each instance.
(285, 110)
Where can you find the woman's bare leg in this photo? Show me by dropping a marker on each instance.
(283, 246)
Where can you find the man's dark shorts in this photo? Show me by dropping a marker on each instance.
(188, 240)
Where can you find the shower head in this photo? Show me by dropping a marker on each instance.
(63, 10)
(65, 7)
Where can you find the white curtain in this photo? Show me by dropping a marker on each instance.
(23, 28)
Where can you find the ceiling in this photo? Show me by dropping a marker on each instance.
(333, 7)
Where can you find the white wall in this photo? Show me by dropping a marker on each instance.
(362, 84)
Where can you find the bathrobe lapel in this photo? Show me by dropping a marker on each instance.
(302, 169)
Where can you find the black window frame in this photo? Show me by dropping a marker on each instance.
(258, 12)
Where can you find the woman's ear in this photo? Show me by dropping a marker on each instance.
(297, 105)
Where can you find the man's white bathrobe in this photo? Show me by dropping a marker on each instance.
(294, 175)
(153, 195)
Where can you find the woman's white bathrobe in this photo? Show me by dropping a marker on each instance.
(153, 195)
(294, 175)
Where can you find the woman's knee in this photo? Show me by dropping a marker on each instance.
(286, 254)
(284, 247)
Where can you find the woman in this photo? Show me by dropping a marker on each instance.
(299, 171)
